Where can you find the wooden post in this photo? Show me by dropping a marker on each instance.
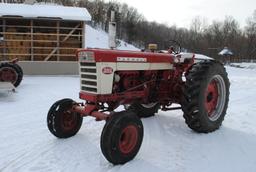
(65, 39)
(31, 39)
(71, 32)
(83, 34)
(58, 40)
(4, 42)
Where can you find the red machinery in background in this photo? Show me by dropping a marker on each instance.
(11, 73)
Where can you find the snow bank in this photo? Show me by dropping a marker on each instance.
(99, 39)
(44, 11)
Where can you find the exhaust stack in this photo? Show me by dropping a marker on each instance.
(112, 31)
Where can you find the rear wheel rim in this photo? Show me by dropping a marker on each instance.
(215, 97)
(128, 139)
(8, 74)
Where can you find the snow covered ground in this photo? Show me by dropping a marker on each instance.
(245, 65)
(169, 145)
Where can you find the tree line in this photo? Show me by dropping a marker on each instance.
(133, 28)
(203, 38)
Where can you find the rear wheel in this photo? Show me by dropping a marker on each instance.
(144, 110)
(10, 72)
(206, 96)
(61, 121)
(121, 137)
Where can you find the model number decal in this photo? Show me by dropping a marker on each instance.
(107, 70)
(131, 59)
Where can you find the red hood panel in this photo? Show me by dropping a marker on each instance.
(105, 55)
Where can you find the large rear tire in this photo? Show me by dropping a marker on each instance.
(10, 72)
(121, 137)
(206, 96)
(61, 121)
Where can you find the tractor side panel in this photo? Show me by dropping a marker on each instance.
(144, 66)
(105, 73)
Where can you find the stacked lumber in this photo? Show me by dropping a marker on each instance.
(17, 45)
(68, 49)
(42, 44)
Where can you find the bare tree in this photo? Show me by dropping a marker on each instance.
(250, 32)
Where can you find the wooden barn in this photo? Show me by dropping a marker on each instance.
(41, 32)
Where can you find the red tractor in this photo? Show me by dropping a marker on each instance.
(11, 74)
(143, 82)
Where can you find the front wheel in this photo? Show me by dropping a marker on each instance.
(61, 121)
(121, 137)
(206, 96)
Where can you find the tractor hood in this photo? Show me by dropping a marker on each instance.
(105, 55)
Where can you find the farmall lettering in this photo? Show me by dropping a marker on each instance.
(143, 82)
(131, 59)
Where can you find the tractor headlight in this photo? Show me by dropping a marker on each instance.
(86, 56)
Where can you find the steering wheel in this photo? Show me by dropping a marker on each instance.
(175, 47)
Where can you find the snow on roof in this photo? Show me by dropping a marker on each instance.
(44, 11)
(225, 51)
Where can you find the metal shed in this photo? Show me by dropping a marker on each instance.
(41, 32)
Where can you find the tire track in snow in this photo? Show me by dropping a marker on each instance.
(167, 126)
(31, 154)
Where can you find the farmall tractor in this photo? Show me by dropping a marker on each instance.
(144, 82)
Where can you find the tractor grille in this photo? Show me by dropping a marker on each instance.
(88, 76)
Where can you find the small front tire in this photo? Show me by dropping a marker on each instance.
(61, 121)
(121, 137)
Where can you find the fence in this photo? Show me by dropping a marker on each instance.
(40, 39)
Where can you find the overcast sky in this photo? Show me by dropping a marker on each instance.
(180, 12)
